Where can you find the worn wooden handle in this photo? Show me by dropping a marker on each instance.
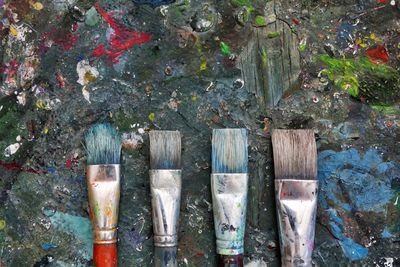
(230, 260)
(105, 255)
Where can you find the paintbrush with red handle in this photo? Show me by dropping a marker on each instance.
(103, 146)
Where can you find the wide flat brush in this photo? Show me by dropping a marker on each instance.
(103, 147)
(165, 186)
(229, 188)
(296, 188)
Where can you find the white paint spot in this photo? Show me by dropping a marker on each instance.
(393, 3)
(256, 263)
(86, 94)
(21, 98)
(18, 139)
(86, 73)
(141, 130)
(388, 262)
(11, 149)
(21, 32)
(1, 107)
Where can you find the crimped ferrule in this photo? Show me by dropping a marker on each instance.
(104, 193)
(165, 187)
(229, 196)
(296, 202)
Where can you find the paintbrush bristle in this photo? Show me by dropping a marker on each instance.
(103, 145)
(295, 154)
(165, 150)
(229, 151)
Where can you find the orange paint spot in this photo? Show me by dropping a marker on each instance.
(378, 54)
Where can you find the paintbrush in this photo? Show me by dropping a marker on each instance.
(103, 147)
(229, 182)
(165, 187)
(296, 188)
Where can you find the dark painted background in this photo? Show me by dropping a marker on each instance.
(193, 66)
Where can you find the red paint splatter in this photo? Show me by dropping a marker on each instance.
(13, 166)
(378, 54)
(120, 40)
(60, 79)
(74, 27)
(60, 37)
(296, 21)
(70, 162)
(381, 1)
(66, 41)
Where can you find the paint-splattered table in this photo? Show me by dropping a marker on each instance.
(193, 66)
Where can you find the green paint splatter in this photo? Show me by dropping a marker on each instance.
(92, 17)
(96, 210)
(246, 3)
(152, 116)
(2, 224)
(389, 110)
(80, 227)
(225, 49)
(273, 34)
(260, 21)
(264, 57)
(302, 47)
(378, 83)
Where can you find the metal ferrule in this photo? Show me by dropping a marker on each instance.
(165, 187)
(229, 196)
(296, 202)
(104, 192)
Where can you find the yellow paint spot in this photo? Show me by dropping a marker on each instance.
(372, 36)
(41, 104)
(37, 5)
(152, 116)
(363, 45)
(203, 65)
(46, 130)
(13, 31)
(194, 98)
(89, 77)
(2, 224)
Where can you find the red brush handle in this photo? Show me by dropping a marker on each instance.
(230, 260)
(105, 255)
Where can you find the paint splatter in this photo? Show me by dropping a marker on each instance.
(86, 73)
(378, 54)
(225, 49)
(13, 166)
(121, 39)
(48, 246)
(80, 227)
(2, 224)
(367, 182)
(154, 3)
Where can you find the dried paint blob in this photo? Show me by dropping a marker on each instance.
(2, 224)
(11, 149)
(86, 73)
(378, 54)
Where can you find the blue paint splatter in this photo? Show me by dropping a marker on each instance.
(80, 227)
(48, 246)
(386, 233)
(367, 182)
(154, 3)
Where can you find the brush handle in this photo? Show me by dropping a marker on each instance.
(165, 257)
(230, 260)
(105, 255)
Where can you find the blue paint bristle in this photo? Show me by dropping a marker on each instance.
(165, 150)
(103, 145)
(229, 151)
